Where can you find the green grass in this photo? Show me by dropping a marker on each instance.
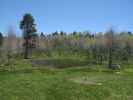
(66, 84)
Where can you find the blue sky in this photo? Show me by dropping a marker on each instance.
(68, 15)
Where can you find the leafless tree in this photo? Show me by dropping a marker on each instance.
(109, 41)
(10, 46)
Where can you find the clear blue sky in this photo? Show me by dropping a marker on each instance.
(68, 15)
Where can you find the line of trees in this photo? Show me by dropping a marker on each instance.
(110, 47)
(99, 48)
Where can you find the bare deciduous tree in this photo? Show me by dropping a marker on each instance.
(11, 46)
(109, 40)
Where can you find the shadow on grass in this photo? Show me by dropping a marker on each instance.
(59, 63)
(22, 71)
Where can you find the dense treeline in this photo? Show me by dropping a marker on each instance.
(108, 47)
(85, 45)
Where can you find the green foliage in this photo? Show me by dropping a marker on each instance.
(27, 25)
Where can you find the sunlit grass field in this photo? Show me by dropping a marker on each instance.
(81, 83)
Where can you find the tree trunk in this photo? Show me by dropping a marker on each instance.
(26, 49)
(100, 59)
(110, 58)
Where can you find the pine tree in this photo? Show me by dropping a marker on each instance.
(27, 25)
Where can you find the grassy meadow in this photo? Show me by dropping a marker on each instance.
(86, 82)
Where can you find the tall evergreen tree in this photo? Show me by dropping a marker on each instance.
(27, 25)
